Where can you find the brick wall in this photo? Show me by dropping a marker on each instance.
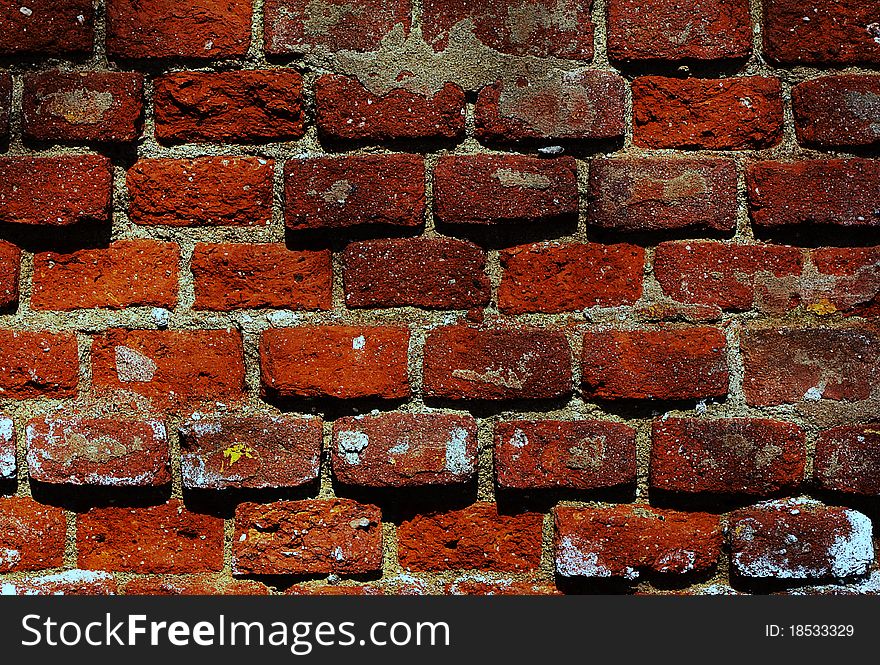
(439, 296)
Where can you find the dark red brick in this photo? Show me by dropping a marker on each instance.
(847, 280)
(838, 111)
(5, 103)
(336, 192)
(71, 107)
(493, 189)
(623, 541)
(659, 194)
(553, 277)
(38, 364)
(318, 536)
(8, 467)
(435, 273)
(237, 106)
(716, 114)
(662, 364)
(478, 537)
(848, 459)
(404, 450)
(548, 454)
(72, 582)
(463, 363)
(10, 269)
(727, 456)
(48, 28)
(255, 452)
(31, 535)
(194, 585)
(55, 191)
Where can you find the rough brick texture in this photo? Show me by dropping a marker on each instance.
(48, 28)
(848, 459)
(32, 537)
(36, 364)
(837, 111)
(8, 465)
(10, 271)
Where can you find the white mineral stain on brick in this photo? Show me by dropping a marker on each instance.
(571, 561)
(7, 449)
(78, 107)
(40, 585)
(358, 343)
(133, 366)
(522, 179)
(9, 557)
(853, 553)
(351, 445)
(457, 461)
(400, 449)
(519, 439)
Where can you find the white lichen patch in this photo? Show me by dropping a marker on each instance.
(351, 444)
(457, 459)
(133, 366)
(572, 561)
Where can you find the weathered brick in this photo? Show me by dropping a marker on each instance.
(300, 26)
(8, 467)
(71, 107)
(847, 280)
(254, 452)
(404, 450)
(840, 32)
(243, 276)
(156, 539)
(463, 363)
(345, 362)
(31, 535)
(788, 365)
(587, 105)
(548, 454)
(554, 277)
(477, 585)
(194, 585)
(38, 364)
(799, 539)
(491, 189)
(678, 30)
(732, 276)
(198, 29)
(10, 269)
(727, 456)
(237, 106)
(5, 103)
(848, 459)
(335, 590)
(95, 451)
(335, 192)
(49, 27)
(659, 194)
(716, 114)
(624, 541)
(436, 273)
(540, 28)
(72, 582)
(479, 537)
(170, 367)
(348, 111)
(838, 111)
(55, 191)
(206, 191)
(319, 536)
(127, 273)
(821, 192)
(663, 364)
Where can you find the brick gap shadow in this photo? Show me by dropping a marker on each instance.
(511, 234)
(223, 502)
(81, 498)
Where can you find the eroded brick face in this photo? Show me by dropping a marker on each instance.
(49, 28)
(32, 537)
(838, 111)
(847, 459)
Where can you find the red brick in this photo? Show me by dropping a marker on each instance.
(55, 191)
(838, 111)
(194, 585)
(732, 276)
(127, 273)
(10, 269)
(847, 280)
(848, 459)
(478, 537)
(715, 114)
(199, 29)
(404, 450)
(31, 535)
(318, 536)
(788, 365)
(345, 362)
(799, 539)
(347, 111)
(493, 189)
(678, 30)
(660, 194)
(38, 364)
(297, 26)
(548, 454)
(66, 583)
(236, 106)
(71, 107)
(663, 364)
(242, 276)
(156, 539)
(337, 192)
(588, 105)
(324, 590)
(8, 467)
(94, 451)
(840, 32)
(5, 103)
(254, 452)
(53, 27)
(727, 456)
(623, 541)
(822, 192)
(553, 277)
(206, 191)
(435, 273)
(463, 363)
(170, 367)
(477, 586)
(542, 28)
